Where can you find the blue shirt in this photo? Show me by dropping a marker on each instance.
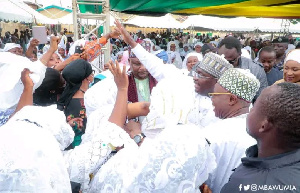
(273, 76)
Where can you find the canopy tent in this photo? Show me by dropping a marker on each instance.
(238, 24)
(68, 19)
(14, 10)
(247, 8)
(166, 21)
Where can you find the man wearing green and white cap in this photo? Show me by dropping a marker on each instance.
(229, 140)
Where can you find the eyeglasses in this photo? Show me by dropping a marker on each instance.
(233, 61)
(217, 93)
(197, 75)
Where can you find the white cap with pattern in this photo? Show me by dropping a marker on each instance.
(214, 64)
(240, 82)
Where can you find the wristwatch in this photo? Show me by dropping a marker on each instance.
(138, 138)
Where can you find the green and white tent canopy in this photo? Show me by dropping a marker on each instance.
(246, 8)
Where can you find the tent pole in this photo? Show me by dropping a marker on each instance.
(75, 25)
(106, 30)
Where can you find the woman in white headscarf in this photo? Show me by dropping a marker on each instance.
(119, 56)
(173, 54)
(185, 51)
(13, 48)
(190, 60)
(291, 68)
(62, 51)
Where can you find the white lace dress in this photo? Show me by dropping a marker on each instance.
(84, 161)
(31, 159)
(177, 160)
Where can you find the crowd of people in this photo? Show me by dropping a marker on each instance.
(168, 113)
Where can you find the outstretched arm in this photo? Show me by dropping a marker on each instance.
(153, 64)
(92, 49)
(137, 109)
(119, 113)
(27, 95)
(32, 45)
(53, 47)
(62, 65)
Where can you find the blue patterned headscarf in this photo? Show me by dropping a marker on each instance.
(163, 55)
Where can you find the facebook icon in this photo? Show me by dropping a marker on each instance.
(240, 187)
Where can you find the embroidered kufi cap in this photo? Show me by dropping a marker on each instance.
(214, 64)
(240, 82)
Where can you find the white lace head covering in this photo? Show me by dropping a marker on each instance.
(186, 45)
(199, 56)
(11, 87)
(147, 40)
(167, 106)
(120, 53)
(62, 45)
(245, 53)
(170, 43)
(49, 118)
(31, 160)
(198, 44)
(9, 46)
(293, 55)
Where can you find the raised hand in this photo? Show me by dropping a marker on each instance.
(54, 41)
(115, 34)
(126, 36)
(121, 78)
(34, 42)
(83, 54)
(25, 78)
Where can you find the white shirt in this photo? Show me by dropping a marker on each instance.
(229, 141)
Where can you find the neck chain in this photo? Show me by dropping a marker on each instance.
(82, 90)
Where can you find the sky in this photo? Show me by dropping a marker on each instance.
(63, 3)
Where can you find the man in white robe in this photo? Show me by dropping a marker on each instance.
(229, 139)
(211, 68)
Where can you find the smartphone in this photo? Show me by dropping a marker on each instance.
(39, 32)
(78, 49)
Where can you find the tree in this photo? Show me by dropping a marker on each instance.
(294, 21)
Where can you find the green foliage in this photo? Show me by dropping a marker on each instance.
(294, 21)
